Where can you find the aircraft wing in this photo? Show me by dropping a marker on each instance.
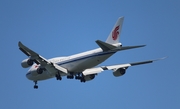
(38, 59)
(115, 67)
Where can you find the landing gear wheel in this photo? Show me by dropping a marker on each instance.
(58, 76)
(83, 80)
(78, 77)
(70, 77)
(35, 86)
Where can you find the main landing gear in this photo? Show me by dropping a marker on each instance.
(77, 77)
(35, 86)
(58, 76)
(70, 77)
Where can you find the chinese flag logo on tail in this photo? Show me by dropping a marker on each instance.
(115, 33)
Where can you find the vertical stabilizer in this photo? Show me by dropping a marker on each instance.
(114, 35)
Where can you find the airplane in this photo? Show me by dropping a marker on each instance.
(82, 66)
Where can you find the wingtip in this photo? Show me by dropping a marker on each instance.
(142, 45)
(164, 57)
(97, 40)
(19, 43)
(161, 58)
(122, 17)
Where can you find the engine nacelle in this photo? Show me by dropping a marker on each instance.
(119, 72)
(27, 63)
(89, 77)
(38, 71)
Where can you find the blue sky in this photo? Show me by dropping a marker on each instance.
(61, 28)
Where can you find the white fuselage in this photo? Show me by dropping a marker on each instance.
(74, 64)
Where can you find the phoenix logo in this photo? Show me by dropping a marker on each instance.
(35, 66)
(115, 33)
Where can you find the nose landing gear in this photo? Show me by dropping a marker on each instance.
(35, 86)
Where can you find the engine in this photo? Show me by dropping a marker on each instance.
(27, 63)
(40, 70)
(37, 71)
(119, 72)
(89, 77)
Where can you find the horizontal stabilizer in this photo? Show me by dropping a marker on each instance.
(129, 47)
(105, 46)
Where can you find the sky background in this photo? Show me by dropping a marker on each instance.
(61, 28)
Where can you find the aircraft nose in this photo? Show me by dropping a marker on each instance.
(28, 75)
